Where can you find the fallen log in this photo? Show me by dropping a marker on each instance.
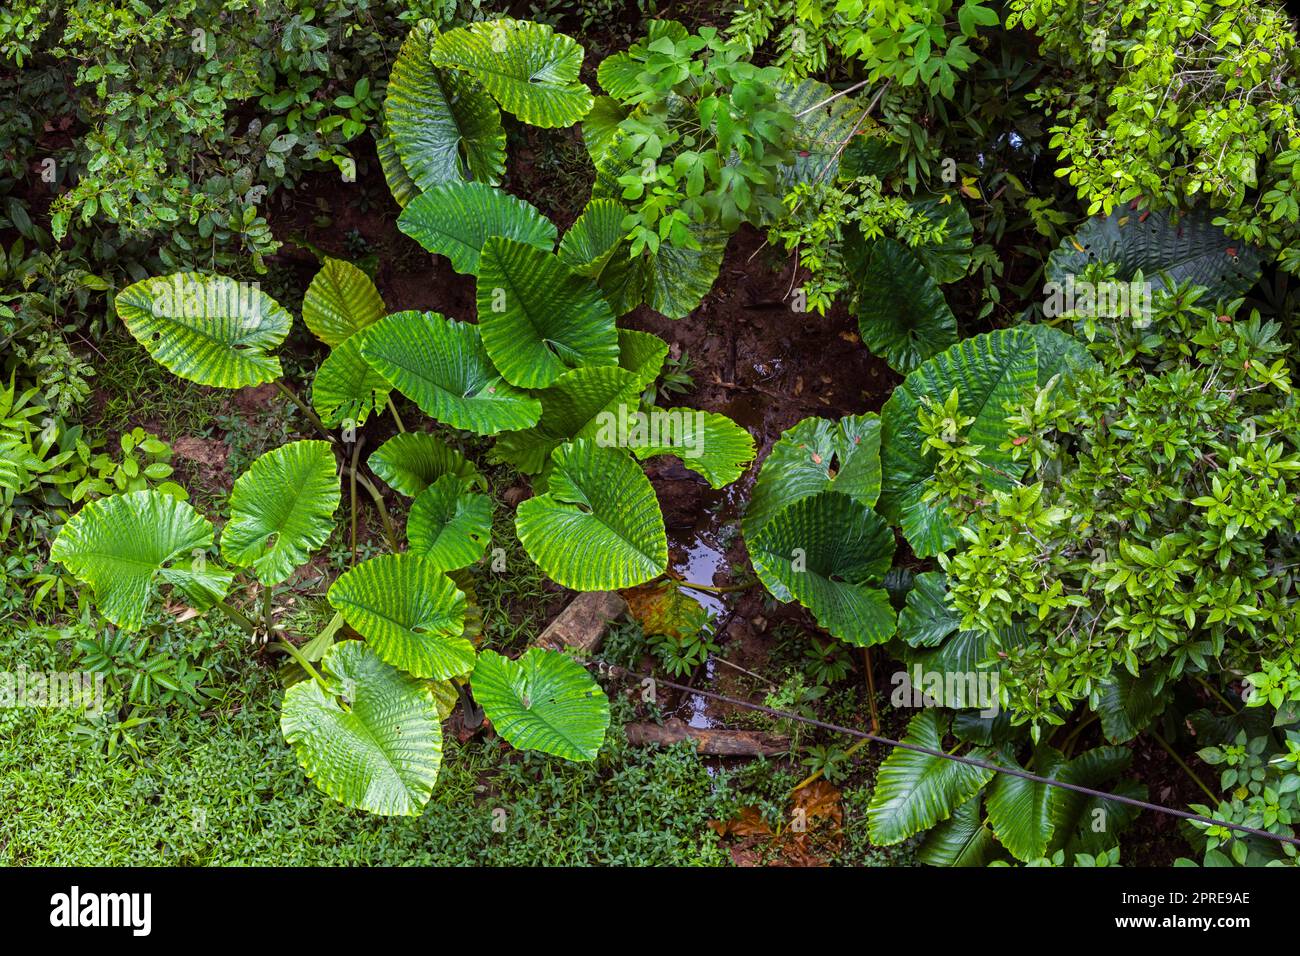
(715, 742)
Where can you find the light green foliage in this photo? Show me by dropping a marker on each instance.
(703, 139)
(923, 43)
(166, 155)
(1154, 533)
(1178, 106)
(369, 736)
(281, 510)
(1260, 778)
(125, 546)
(598, 527)
(543, 701)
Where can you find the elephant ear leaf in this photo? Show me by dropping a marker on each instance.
(914, 790)
(371, 737)
(1187, 248)
(455, 219)
(597, 246)
(346, 387)
(1020, 810)
(643, 354)
(927, 619)
(538, 317)
(411, 461)
(449, 526)
(578, 405)
(988, 371)
(681, 278)
(709, 444)
(543, 701)
(409, 612)
(282, 509)
(902, 314)
(817, 455)
(961, 840)
(206, 329)
(124, 546)
(949, 259)
(598, 527)
(824, 552)
(443, 125)
(442, 366)
(340, 302)
(528, 68)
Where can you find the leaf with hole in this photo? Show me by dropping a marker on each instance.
(543, 701)
(598, 527)
(206, 329)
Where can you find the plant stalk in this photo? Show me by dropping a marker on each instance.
(1214, 800)
(306, 410)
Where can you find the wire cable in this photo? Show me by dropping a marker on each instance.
(614, 670)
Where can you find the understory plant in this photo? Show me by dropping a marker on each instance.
(544, 370)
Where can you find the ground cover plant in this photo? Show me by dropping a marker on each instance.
(917, 367)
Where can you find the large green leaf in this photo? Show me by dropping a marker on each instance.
(902, 314)
(409, 612)
(454, 219)
(823, 551)
(442, 366)
(961, 840)
(600, 127)
(443, 124)
(817, 455)
(709, 444)
(340, 302)
(529, 69)
(820, 132)
(988, 371)
(282, 509)
(449, 526)
(206, 329)
(643, 354)
(400, 183)
(597, 246)
(1071, 810)
(1189, 248)
(124, 546)
(346, 388)
(412, 461)
(949, 259)
(577, 406)
(928, 619)
(538, 317)
(372, 740)
(598, 527)
(681, 278)
(1127, 704)
(1020, 810)
(914, 791)
(543, 701)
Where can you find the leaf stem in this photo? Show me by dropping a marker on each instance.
(239, 617)
(1214, 799)
(379, 504)
(396, 417)
(302, 662)
(306, 410)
